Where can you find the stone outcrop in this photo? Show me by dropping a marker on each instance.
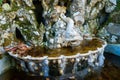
(82, 13)
(21, 16)
(111, 30)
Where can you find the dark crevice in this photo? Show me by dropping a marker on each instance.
(103, 17)
(88, 2)
(38, 11)
(6, 1)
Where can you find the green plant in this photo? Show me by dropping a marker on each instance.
(1, 2)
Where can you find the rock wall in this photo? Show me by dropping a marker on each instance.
(110, 30)
(85, 18)
(19, 14)
(85, 15)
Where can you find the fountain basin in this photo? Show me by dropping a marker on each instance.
(47, 62)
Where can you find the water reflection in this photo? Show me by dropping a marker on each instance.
(110, 71)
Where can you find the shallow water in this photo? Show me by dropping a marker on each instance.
(84, 47)
(110, 71)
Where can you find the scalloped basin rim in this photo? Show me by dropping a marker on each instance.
(29, 57)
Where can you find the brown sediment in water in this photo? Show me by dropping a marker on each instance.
(87, 45)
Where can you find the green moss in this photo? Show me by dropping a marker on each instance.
(5, 26)
(115, 15)
(0, 9)
(9, 40)
(1, 56)
(118, 6)
(1, 2)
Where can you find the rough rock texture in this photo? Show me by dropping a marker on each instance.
(110, 6)
(61, 30)
(114, 31)
(23, 18)
(111, 30)
(84, 17)
(83, 13)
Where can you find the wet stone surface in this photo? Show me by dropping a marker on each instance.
(110, 71)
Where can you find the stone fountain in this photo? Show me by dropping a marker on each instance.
(58, 42)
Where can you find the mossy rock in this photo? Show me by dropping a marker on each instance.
(118, 6)
(114, 17)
